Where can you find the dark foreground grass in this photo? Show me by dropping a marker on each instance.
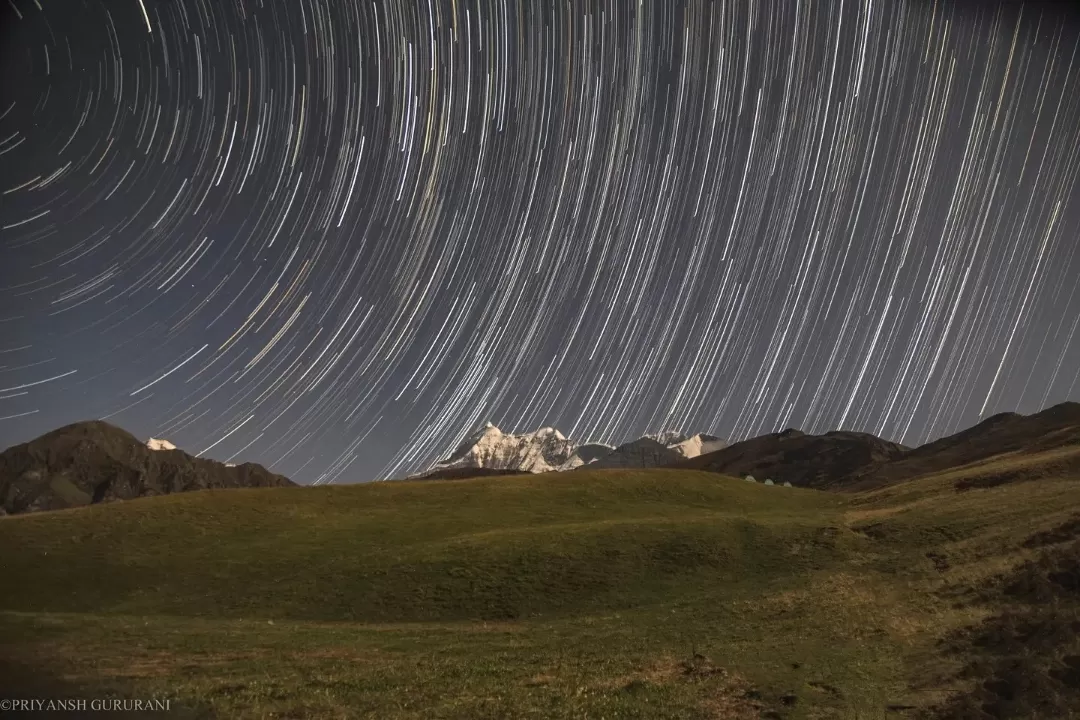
(614, 594)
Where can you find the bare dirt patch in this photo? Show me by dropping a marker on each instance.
(727, 694)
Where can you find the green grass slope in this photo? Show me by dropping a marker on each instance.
(637, 594)
(476, 549)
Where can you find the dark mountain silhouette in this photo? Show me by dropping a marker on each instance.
(641, 453)
(94, 462)
(851, 461)
(1054, 427)
(814, 461)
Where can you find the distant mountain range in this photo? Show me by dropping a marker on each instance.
(850, 461)
(548, 450)
(838, 460)
(94, 462)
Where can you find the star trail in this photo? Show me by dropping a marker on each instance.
(333, 237)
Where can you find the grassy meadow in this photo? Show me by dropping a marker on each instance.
(603, 594)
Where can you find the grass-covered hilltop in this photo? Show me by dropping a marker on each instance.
(658, 593)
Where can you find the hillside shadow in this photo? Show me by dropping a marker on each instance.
(1024, 661)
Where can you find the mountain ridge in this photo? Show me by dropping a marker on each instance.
(91, 462)
(546, 449)
(837, 460)
(853, 461)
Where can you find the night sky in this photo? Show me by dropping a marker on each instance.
(334, 237)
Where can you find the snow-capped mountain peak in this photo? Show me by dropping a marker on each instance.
(668, 437)
(158, 444)
(546, 449)
(487, 430)
(549, 432)
(540, 451)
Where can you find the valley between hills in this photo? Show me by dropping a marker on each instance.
(933, 582)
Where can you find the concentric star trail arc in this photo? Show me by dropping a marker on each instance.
(334, 237)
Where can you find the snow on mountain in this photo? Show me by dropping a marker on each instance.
(688, 446)
(547, 450)
(667, 438)
(159, 444)
(699, 444)
(544, 450)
